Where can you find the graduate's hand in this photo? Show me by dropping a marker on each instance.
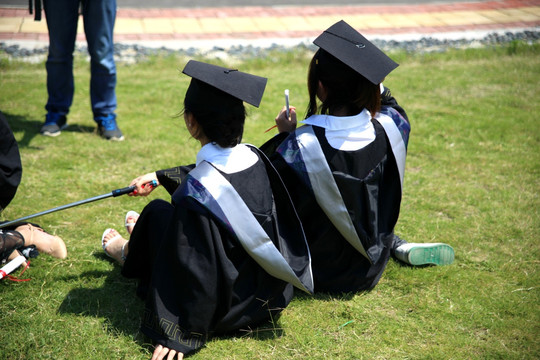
(142, 184)
(160, 351)
(284, 124)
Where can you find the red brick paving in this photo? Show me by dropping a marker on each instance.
(297, 11)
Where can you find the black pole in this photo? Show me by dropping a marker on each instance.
(113, 193)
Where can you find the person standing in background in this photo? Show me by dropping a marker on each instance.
(98, 17)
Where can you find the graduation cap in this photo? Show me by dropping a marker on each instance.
(350, 47)
(243, 86)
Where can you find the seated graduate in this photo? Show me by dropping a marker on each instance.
(21, 237)
(344, 168)
(223, 254)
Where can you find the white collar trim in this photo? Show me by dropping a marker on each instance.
(228, 160)
(348, 133)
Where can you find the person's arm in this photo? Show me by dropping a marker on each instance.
(285, 126)
(169, 178)
(141, 182)
(387, 99)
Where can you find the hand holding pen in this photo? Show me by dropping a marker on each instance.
(286, 119)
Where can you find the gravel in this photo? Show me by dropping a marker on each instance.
(131, 53)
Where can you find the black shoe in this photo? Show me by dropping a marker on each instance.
(54, 123)
(108, 129)
(10, 241)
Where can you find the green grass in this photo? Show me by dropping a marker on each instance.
(472, 180)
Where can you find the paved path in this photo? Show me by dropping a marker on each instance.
(289, 25)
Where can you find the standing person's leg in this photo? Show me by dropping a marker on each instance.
(62, 17)
(99, 18)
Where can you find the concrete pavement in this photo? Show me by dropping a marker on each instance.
(290, 25)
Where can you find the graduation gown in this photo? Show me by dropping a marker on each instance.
(10, 164)
(196, 278)
(369, 182)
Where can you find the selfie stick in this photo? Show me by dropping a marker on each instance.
(12, 265)
(113, 193)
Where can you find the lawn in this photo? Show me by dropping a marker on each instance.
(472, 181)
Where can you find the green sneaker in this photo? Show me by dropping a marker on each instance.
(424, 254)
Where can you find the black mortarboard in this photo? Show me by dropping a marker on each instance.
(350, 47)
(243, 86)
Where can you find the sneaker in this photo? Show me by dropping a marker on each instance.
(108, 129)
(424, 254)
(54, 123)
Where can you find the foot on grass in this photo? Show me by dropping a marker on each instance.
(114, 245)
(44, 242)
(131, 220)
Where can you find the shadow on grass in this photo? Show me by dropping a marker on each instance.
(322, 296)
(30, 128)
(267, 330)
(115, 301)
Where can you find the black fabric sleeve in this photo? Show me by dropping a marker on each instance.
(171, 178)
(270, 147)
(387, 99)
(10, 164)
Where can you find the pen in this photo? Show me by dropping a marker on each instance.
(286, 109)
(287, 102)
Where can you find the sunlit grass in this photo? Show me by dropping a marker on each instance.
(472, 181)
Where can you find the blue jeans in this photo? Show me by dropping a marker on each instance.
(98, 17)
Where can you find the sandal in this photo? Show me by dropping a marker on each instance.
(105, 246)
(133, 215)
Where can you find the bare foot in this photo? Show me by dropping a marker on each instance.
(44, 242)
(114, 245)
(131, 220)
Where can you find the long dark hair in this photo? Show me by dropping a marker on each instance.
(345, 88)
(220, 116)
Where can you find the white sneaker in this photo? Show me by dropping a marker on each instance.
(425, 253)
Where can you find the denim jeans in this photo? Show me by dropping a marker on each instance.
(98, 18)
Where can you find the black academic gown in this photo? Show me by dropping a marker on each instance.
(195, 277)
(369, 183)
(10, 164)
